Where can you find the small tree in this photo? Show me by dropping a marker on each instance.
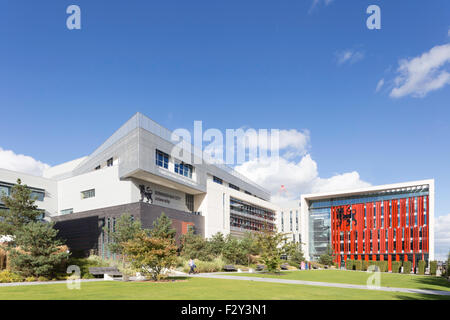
(272, 246)
(126, 229)
(162, 228)
(150, 254)
(38, 252)
(21, 210)
(295, 253)
(216, 244)
(327, 258)
(194, 246)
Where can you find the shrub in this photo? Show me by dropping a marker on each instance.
(30, 279)
(349, 264)
(433, 268)
(407, 267)
(206, 266)
(358, 265)
(383, 265)
(373, 263)
(365, 265)
(42, 279)
(7, 276)
(421, 267)
(396, 266)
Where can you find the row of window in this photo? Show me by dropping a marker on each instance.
(5, 190)
(109, 163)
(183, 169)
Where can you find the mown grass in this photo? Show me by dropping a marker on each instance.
(395, 280)
(198, 289)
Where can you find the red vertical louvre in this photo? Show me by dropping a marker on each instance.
(333, 227)
(386, 210)
(352, 242)
(420, 218)
(383, 241)
(369, 215)
(411, 211)
(428, 210)
(402, 213)
(407, 240)
(374, 240)
(416, 239)
(390, 240)
(399, 240)
(345, 242)
(378, 223)
(360, 225)
(338, 244)
(394, 213)
(367, 241)
(425, 239)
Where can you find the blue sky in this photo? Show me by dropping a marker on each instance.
(260, 64)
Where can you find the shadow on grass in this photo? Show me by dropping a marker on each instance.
(439, 282)
(419, 296)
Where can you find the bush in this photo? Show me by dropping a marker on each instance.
(407, 265)
(358, 265)
(206, 266)
(349, 264)
(7, 276)
(365, 265)
(373, 263)
(421, 267)
(30, 279)
(396, 266)
(42, 279)
(382, 265)
(433, 268)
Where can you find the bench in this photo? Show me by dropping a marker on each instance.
(106, 272)
(260, 267)
(229, 268)
(284, 266)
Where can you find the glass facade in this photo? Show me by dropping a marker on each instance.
(248, 217)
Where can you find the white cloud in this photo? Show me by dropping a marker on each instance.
(349, 56)
(379, 85)
(19, 162)
(425, 73)
(442, 237)
(297, 174)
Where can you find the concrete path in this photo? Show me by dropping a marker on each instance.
(321, 284)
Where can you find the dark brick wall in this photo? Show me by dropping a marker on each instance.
(82, 231)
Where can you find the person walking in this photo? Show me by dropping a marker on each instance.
(192, 266)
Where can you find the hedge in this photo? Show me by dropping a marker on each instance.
(365, 265)
(358, 265)
(407, 267)
(349, 264)
(421, 267)
(396, 266)
(383, 265)
(433, 268)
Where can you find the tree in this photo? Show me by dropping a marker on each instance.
(126, 229)
(162, 227)
(232, 251)
(151, 254)
(37, 252)
(327, 258)
(295, 253)
(194, 246)
(216, 244)
(21, 210)
(272, 246)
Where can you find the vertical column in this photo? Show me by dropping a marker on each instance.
(382, 241)
(411, 211)
(402, 213)
(378, 213)
(394, 213)
(399, 232)
(387, 210)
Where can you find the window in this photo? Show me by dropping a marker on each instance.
(217, 180)
(4, 191)
(232, 186)
(184, 169)
(190, 202)
(162, 159)
(110, 162)
(88, 194)
(97, 167)
(67, 211)
(38, 195)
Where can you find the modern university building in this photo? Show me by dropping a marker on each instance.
(390, 222)
(135, 172)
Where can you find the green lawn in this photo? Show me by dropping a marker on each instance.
(196, 288)
(396, 280)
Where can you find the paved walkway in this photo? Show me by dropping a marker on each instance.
(321, 284)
